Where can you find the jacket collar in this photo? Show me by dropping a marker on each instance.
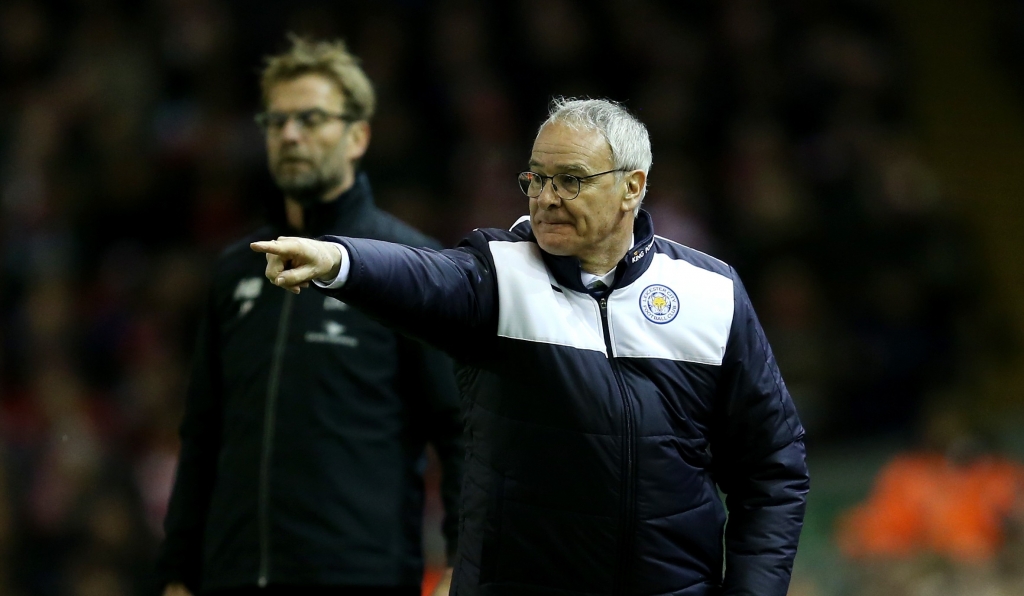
(342, 216)
(567, 270)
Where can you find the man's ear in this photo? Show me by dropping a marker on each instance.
(635, 182)
(358, 141)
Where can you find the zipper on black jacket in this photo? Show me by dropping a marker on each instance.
(629, 480)
(269, 415)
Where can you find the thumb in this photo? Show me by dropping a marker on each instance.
(299, 275)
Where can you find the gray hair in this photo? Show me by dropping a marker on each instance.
(626, 135)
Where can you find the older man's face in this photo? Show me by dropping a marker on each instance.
(308, 162)
(580, 226)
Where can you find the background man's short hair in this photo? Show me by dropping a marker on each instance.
(327, 58)
(626, 135)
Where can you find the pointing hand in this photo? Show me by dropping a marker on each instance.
(294, 262)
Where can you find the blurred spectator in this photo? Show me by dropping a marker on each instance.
(954, 501)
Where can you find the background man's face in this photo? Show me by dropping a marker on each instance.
(308, 163)
(575, 227)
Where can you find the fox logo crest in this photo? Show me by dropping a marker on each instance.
(659, 304)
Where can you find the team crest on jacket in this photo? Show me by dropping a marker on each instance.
(659, 304)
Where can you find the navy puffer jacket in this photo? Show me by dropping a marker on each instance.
(601, 425)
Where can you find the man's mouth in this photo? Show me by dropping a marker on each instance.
(294, 163)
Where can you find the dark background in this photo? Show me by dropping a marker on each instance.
(857, 161)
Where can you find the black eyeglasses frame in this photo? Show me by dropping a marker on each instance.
(544, 181)
(274, 120)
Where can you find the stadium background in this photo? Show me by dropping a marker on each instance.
(858, 161)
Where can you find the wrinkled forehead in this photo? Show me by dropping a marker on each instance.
(570, 148)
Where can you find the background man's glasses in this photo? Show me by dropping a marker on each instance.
(306, 119)
(566, 186)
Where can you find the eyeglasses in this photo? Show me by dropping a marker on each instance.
(566, 186)
(306, 119)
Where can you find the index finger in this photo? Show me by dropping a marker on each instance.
(281, 246)
(266, 246)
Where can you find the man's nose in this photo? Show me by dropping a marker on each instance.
(291, 131)
(548, 197)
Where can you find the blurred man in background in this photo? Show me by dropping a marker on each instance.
(305, 426)
(617, 380)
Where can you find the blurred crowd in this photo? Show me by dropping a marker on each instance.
(944, 517)
(783, 143)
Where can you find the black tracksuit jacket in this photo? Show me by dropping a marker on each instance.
(602, 425)
(303, 439)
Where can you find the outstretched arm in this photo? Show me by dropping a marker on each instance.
(447, 298)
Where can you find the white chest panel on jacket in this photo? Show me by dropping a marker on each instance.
(674, 311)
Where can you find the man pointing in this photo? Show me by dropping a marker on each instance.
(614, 382)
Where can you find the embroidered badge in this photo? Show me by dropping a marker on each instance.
(659, 304)
(247, 291)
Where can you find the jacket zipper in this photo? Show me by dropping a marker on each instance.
(269, 415)
(626, 545)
